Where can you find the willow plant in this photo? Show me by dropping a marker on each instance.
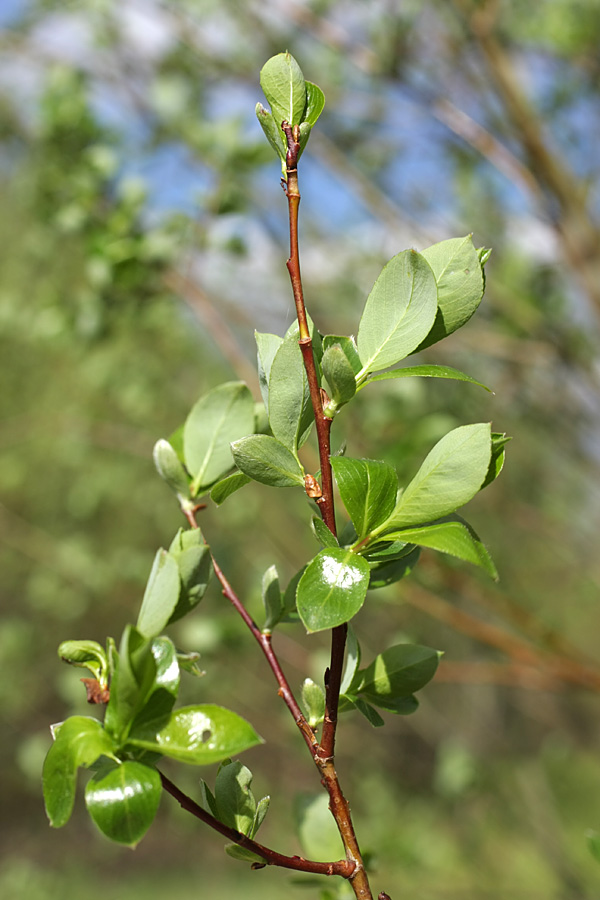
(306, 379)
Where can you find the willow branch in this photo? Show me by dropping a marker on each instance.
(343, 867)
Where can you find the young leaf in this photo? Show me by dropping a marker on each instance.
(398, 314)
(284, 87)
(267, 346)
(426, 372)
(387, 573)
(499, 442)
(223, 415)
(228, 486)
(450, 476)
(263, 458)
(195, 571)
(453, 536)
(322, 533)
(170, 468)
(352, 661)
(262, 807)
(160, 686)
(133, 677)
(161, 595)
(273, 132)
(86, 654)
(459, 277)
(313, 701)
(332, 589)
(339, 374)
(272, 598)
(123, 800)
(237, 852)
(79, 741)
(368, 490)
(198, 735)
(348, 345)
(397, 673)
(369, 712)
(234, 800)
(315, 101)
(290, 410)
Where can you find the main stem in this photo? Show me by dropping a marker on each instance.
(324, 757)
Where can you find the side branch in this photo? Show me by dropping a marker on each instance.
(343, 867)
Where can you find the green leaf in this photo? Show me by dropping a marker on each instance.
(195, 571)
(262, 808)
(390, 572)
(426, 372)
(160, 597)
(368, 489)
(451, 474)
(290, 410)
(272, 598)
(332, 589)
(313, 701)
(79, 741)
(123, 800)
(593, 842)
(315, 101)
(369, 712)
(453, 536)
(88, 655)
(237, 852)
(398, 314)
(499, 442)
(273, 132)
(170, 468)
(317, 831)
(397, 673)
(228, 486)
(133, 677)
(160, 686)
(198, 735)
(284, 87)
(236, 806)
(322, 533)
(223, 415)
(263, 458)
(340, 377)
(352, 661)
(459, 277)
(267, 346)
(348, 345)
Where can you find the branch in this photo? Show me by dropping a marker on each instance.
(343, 867)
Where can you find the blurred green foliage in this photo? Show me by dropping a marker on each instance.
(143, 238)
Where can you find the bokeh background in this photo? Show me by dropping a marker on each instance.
(143, 238)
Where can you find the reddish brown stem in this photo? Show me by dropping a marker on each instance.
(342, 867)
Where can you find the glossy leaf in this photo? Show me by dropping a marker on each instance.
(322, 533)
(198, 735)
(123, 800)
(387, 573)
(453, 536)
(160, 686)
(134, 674)
(160, 597)
(339, 374)
(352, 661)
(398, 672)
(273, 132)
(315, 101)
(267, 346)
(290, 410)
(368, 490)
(317, 831)
(234, 799)
(426, 372)
(272, 598)
(499, 442)
(284, 87)
(86, 654)
(313, 701)
(223, 415)
(170, 468)
(228, 486)
(332, 589)
(79, 741)
(452, 473)
(263, 458)
(399, 312)
(459, 277)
